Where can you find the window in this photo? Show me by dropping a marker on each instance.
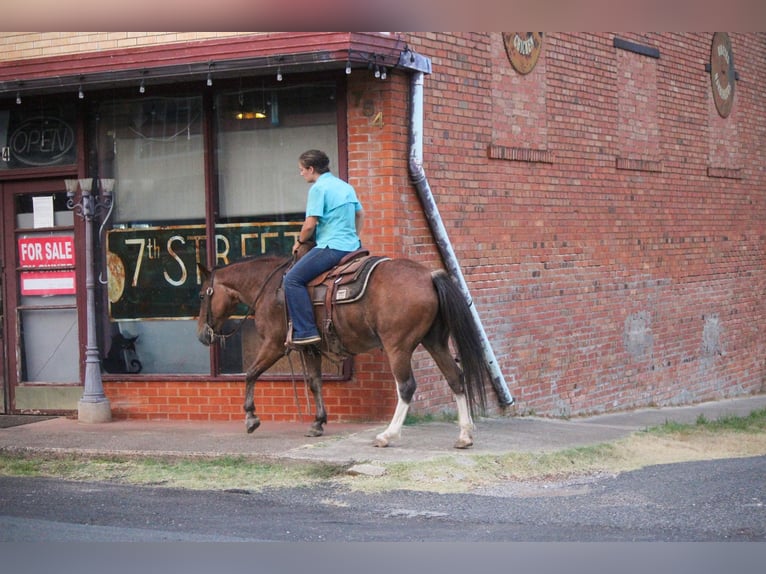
(156, 149)
(40, 132)
(260, 134)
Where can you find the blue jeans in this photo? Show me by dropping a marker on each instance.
(299, 304)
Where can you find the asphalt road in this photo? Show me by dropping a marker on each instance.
(707, 501)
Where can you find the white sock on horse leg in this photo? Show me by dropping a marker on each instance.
(394, 429)
(464, 420)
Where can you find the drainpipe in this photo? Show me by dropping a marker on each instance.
(420, 66)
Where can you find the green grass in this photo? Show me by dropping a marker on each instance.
(221, 473)
(444, 417)
(755, 422)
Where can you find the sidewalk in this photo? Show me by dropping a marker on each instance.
(349, 443)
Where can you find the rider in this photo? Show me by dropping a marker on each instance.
(334, 219)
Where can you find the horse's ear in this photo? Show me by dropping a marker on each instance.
(204, 271)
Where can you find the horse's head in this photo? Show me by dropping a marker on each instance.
(217, 303)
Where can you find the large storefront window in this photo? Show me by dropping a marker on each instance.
(261, 132)
(155, 149)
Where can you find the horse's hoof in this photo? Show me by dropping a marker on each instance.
(253, 424)
(314, 432)
(380, 441)
(463, 443)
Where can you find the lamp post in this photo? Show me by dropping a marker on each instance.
(93, 407)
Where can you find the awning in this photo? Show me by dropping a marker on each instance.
(257, 54)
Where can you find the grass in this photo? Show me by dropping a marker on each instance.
(222, 473)
(755, 422)
(726, 437)
(416, 419)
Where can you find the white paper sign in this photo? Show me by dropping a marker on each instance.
(42, 208)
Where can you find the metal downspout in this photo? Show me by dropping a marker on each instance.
(419, 64)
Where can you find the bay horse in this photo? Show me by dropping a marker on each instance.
(405, 305)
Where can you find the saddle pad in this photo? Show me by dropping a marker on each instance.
(351, 287)
(349, 281)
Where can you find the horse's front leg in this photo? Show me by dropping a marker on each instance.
(252, 421)
(263, 361)
(313, 367)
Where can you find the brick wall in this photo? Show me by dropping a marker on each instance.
(616, 272)
(348, 401)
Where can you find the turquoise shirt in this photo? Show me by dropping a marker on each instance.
(334, 203)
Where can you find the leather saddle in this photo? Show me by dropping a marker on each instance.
(345, 283)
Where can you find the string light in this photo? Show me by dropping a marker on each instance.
(141, 88)
(209, 79)
(279, 74)
(18, 98)
(383, 73)
(80, 93)
(348, 67)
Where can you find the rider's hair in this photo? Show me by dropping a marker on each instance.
(316, 159)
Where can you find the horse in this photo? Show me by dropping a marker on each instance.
(405, 305)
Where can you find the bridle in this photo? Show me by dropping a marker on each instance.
(209, 294)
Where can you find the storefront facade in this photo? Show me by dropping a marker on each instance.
(610, 227)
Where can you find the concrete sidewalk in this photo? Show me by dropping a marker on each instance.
(349, 443)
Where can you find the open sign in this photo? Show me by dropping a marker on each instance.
(42, 141)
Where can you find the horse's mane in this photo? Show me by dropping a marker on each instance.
(253, 258)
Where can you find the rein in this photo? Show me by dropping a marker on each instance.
(209, 294)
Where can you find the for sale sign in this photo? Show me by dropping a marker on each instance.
(53, 251)
(47, 264)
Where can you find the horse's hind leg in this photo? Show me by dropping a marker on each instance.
(405, 389)
(440, 352)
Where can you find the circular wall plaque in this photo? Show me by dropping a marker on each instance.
(722, 73)
(523, 49)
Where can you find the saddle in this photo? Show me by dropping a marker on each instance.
(345, 283)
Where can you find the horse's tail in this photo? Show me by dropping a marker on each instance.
(456, 316)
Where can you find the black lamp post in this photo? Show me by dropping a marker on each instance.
(93, 407)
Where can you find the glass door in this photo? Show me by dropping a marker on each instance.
(41, 318)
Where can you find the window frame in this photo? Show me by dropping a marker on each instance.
(211, 211)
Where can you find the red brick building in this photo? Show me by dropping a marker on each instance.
(603, 194)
